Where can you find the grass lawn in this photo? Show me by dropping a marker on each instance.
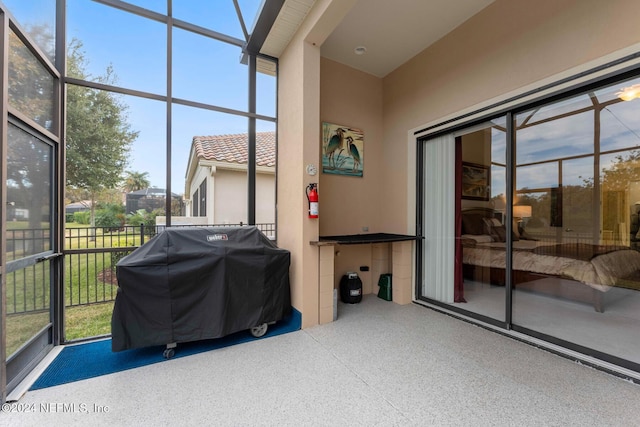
(88, 321)
(80, 322)
(21, 327)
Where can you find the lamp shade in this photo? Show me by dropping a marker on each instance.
(629, 93)
(521, 211)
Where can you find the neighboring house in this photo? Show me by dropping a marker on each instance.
(216, 178)
(82, 206)
(148, 199)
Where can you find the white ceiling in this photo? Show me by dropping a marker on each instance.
(393, 31)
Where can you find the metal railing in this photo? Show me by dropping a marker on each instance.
(25, 242)
(90, 258)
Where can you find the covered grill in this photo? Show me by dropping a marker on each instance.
(189, 284)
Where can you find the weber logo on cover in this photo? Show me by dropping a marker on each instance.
(216, 237)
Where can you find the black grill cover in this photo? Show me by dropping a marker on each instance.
(189, 284)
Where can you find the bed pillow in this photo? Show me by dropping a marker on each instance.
(468, 243)
(472, 224)
(499, 234)
(489, 223)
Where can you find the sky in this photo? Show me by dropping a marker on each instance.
(204, 70)
(568, 137)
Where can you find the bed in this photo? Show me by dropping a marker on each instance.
(587, 271)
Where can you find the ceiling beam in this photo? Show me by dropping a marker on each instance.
(266, 19)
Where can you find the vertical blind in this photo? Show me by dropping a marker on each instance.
(439, 218)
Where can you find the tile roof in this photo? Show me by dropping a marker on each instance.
(233, 148)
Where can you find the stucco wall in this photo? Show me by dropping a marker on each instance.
(230, 197)
(298, 133)
(352, 98)
(352, 205)
(509, 45)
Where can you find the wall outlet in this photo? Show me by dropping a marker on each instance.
(365, 228)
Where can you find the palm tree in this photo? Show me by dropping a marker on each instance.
(135, 181)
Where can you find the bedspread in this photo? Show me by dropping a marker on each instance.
(594, 265)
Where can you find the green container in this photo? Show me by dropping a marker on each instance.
(385, 291)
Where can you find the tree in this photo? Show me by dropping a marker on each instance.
(98, 136)
(31, 87)
(624, 169)
(29, 160)
(135, 181)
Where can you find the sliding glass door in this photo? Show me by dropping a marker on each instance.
(577, 168)
(531, 221)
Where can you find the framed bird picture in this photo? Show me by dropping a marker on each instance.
(342, 150)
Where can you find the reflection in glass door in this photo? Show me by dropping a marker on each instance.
(28, 232)
(577, 169)
(483, 224)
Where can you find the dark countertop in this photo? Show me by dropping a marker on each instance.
(356, 239)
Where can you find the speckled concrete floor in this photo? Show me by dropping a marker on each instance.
(379, 364)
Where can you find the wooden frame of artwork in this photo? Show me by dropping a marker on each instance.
(342, 150)
(476, 181)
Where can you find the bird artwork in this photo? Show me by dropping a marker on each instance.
(338, 159)
(353, 151)
(335, 143)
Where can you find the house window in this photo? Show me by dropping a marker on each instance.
(530, 220)
(195, 205)
(203, 198)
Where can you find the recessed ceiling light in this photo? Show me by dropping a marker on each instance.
(360, 50)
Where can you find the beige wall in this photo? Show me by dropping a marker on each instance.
(229, 201)
(352, 205)
(509, 45)
(352, 98)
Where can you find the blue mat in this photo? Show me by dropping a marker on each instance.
(79, 362)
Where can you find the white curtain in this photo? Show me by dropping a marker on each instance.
(439, 218)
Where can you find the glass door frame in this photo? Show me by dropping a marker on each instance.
(15, 368)
(19, 364)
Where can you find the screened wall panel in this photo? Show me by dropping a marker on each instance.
(206, 57)
(38, 19)
(133, 57)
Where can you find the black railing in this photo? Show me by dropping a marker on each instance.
(90, 259)
(28, 289)
(25, 242)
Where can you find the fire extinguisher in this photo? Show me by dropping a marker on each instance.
(312, 198)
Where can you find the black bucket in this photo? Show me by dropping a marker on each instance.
(351, 288)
